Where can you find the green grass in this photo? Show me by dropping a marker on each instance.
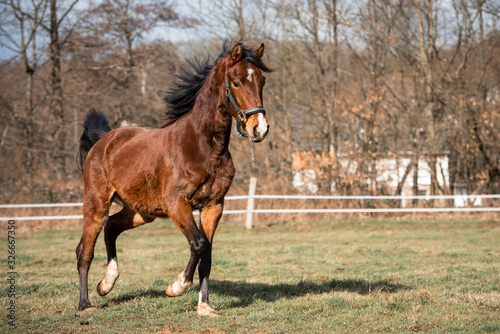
(341, 276)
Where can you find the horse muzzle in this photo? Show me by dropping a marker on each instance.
(257, 127)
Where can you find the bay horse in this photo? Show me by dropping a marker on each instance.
(171, 171)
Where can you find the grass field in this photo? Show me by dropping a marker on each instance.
(340, 276)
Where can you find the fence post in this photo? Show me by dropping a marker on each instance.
(251, 201)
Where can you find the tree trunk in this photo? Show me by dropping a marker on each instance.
(493, 170)
(56, 88)
(28, 123)
(333, 130)
(415, 166)
(426, 62)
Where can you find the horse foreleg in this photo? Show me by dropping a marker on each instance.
(119, 222)
(95, 214)
(182, 216)
(210, 216)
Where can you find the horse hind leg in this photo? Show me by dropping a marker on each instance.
(119, 222)
(111, 231)
(95, 214)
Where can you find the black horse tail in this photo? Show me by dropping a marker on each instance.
(96, 125)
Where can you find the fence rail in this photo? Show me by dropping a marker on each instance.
(251, 210)
(70, 217)
(315, 197)
(381, 197)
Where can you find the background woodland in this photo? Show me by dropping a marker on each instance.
(355, 80)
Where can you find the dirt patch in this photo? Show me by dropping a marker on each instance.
(423, 328)
(490, 223)
(211, 330)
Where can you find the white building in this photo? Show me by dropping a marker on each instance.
(389, 172)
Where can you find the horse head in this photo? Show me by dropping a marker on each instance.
(244, 83)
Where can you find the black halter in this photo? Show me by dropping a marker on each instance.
(242, 114)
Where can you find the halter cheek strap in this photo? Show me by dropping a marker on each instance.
(242, 114)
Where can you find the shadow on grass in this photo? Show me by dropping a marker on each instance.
(247, 293)
(126, 297)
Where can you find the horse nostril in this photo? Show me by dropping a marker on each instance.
(255, 131)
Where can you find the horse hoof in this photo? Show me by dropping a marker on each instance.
(174, 290)
(177, 289)
(103, 291)
(87, 309)
(205, 310)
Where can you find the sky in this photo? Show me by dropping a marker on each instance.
(188, 8)
(172, 34)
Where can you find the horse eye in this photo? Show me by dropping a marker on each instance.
(236, 84)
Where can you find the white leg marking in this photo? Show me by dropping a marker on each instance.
(205, 310)
(178, 287)
(109, 279)
(250, 74)
(200, 295)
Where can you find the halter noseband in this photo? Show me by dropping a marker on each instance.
(242, 114)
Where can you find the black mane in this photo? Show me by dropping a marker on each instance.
(181, 96)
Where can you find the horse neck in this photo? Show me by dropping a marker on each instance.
(209, 115)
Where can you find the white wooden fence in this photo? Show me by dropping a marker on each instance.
(251, 197)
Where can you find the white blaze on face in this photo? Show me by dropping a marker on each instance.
(262, 127)
(250, 74)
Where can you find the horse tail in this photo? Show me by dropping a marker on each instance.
(96, 125)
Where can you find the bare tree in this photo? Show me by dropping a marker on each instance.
(25, 22)
(120, 25)
(375, 29)
(57, 16)
(314, 25)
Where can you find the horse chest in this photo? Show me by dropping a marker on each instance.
(215, 186)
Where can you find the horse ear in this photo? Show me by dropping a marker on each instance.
(260, 50)
(236, 53)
